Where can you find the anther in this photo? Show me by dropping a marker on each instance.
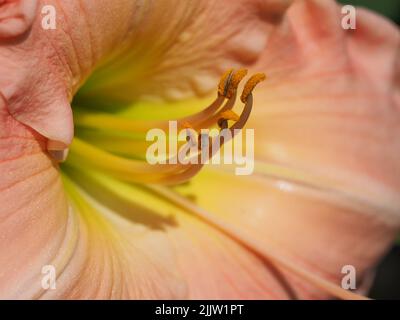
(229, 115)
(234, 82)
(251, 84)
(224, 83)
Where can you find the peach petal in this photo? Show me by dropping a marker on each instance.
(309, 75)
(94, 257)
(329, 105)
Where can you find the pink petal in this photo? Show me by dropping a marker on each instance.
(345, 143)
(199, 41)
(93, 258)
(329, 111)
(330, 106)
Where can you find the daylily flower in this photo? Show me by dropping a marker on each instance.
(326, 187)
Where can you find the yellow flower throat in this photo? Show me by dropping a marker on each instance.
(219, 113)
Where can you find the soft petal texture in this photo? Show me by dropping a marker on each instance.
(42, 69)
(328, 111)
(34, 211)
(330, 107)
(94, 256)
(198, 42)
(301, 126)
(16, 17)
(61, 59)
(32, 78)
(212, 264)
(96, 253)
(297, 223)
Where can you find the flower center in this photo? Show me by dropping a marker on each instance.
(123, 156)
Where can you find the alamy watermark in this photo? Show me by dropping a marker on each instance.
(349, 280)
(49, 17)
(48, 277)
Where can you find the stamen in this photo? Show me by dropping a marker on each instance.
(224, 83)
(234, 82)
(251, 84)
(187, 125)
(171, 171)
(214, 118)
(109, 122)
(245, 114)
(229, 115)
(267, 252)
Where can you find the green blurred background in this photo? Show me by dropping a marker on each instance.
(387, 281)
